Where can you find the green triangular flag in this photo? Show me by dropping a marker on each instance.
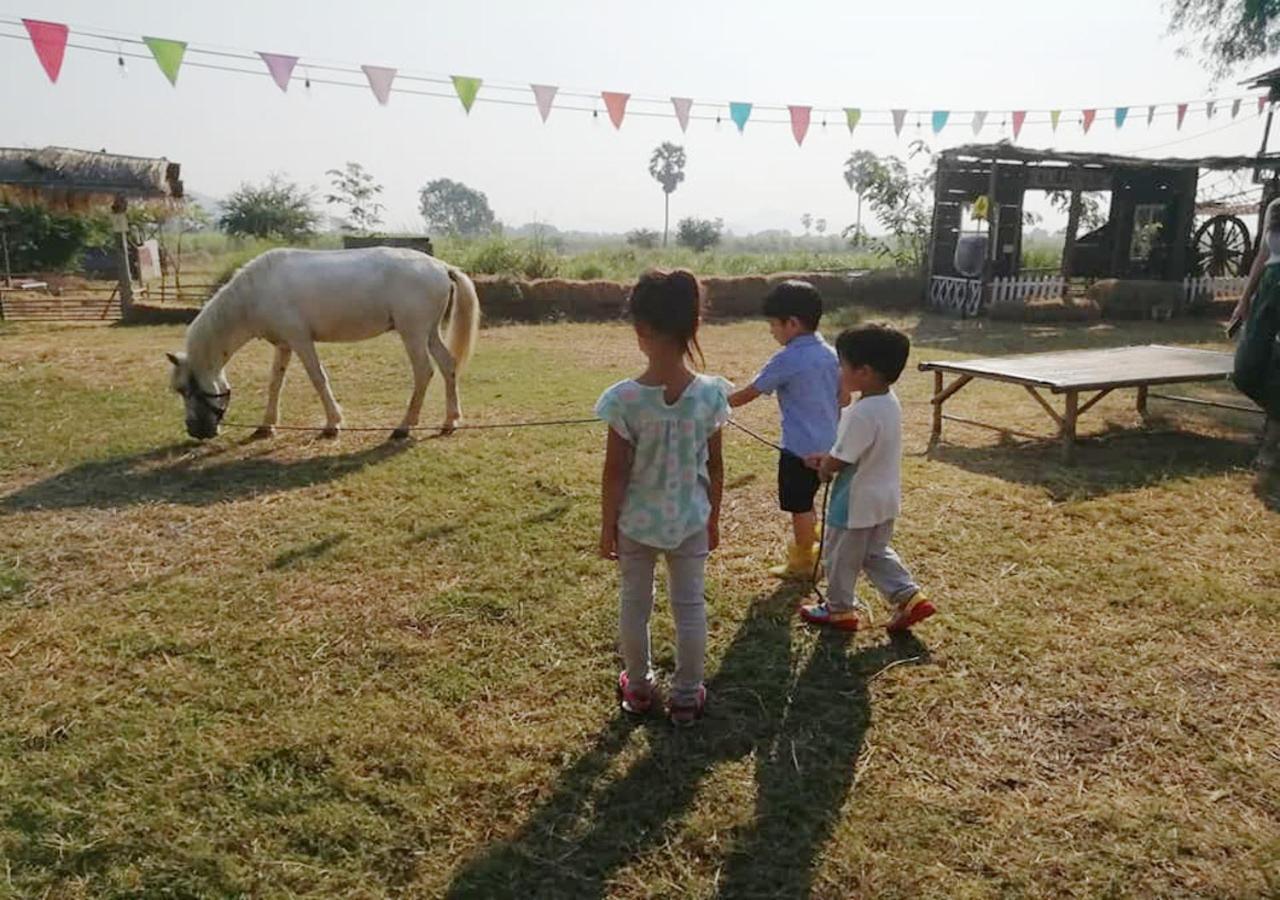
(168, 56)
(467, 89)
(852, 116)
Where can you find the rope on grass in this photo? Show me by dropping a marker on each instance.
(468, 427)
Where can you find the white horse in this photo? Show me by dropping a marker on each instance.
(294, 298)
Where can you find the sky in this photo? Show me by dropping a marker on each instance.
(576, 171)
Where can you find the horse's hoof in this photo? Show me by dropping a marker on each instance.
(262, 433)
(329, 433)
(448, 428)
(400, 434)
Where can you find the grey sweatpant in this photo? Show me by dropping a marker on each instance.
(848, 551)
(685, 567)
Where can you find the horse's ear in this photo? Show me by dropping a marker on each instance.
(173, 358)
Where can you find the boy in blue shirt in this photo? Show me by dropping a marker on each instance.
(805, 374)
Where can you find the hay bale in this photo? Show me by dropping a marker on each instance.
(1051, 310)
(729, 297)
(1124, 299)
(590, 301)
(501, 299)
(889, 290)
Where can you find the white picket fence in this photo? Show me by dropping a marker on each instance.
(1207, 288)
(1019, 289)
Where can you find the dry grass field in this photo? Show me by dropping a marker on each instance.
(358, 669)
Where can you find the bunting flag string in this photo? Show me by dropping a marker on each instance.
(280, 66)
(380, 79)
(168, 56)
(616, 104)
(682, 107)
(544, 95)
(800, 122)
(50, 41)
(467, 89)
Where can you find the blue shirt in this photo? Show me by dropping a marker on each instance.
(805, 374)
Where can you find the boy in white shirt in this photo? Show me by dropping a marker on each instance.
(867, 494)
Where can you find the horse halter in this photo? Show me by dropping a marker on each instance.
(206, 400)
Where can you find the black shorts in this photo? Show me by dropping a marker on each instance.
(797, 484)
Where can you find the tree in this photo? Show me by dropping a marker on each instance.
(820, 226)
(644, 238)
(666, 165)
(861, 170)
(355, 189)
(276, 209)
(699, 234)
(806, 222)
(1230, 31)
(903, 205)
(1092, 214)
(453, 208)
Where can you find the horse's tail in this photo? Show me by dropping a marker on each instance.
(464, 324)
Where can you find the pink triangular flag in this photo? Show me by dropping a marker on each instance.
(280, 66)
(799, 122)
(544, 95)
(1019, 116)
(682, 106)
(899, 116)
(50, 42)
(1088, 119)
(616, 103)
(380, 78)
(1182, 114)
(1262, 103)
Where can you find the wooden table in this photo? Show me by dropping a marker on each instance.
(1075, 372)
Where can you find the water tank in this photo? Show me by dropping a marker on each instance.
(971, 250)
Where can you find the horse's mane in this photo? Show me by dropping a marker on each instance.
(219, 315)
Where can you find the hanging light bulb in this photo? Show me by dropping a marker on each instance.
(120, 66)
(306, 83)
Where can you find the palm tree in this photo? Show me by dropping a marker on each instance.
(861, 170)
(667, 168)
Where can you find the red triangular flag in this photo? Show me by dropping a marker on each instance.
(1262, 103)
(50, 42)
(1088, 118)
(616, 103)
(1182, 114)
(682, 106)
(280, 66)
(1019, 116)
(799, 122)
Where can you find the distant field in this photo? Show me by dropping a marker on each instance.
(354, 669)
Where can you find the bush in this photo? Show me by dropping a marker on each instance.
(645, 238)
(699, 234)
(44, 241)
(276, 209)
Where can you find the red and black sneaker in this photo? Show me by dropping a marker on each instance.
(821, 614)
(914, 611)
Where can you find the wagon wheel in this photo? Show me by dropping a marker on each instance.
(1220, 246)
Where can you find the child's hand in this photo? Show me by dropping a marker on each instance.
(608, 543)
(713, 534)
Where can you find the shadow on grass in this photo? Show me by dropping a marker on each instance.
(805, 733)
(187, 474)
(1117, 459)
(985, 337)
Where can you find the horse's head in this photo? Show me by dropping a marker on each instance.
(206, 396)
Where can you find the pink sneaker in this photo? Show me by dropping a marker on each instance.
(638, 703)
(914, 611)
(684, 714)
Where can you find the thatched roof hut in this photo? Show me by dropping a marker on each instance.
(63, 178)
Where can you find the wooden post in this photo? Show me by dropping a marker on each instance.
(1142, 401)
(1069, 428)
(119, 208)
(993, 227)
(935, 434)
(1073, 225)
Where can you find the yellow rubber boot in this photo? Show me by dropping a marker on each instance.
(799, 564)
